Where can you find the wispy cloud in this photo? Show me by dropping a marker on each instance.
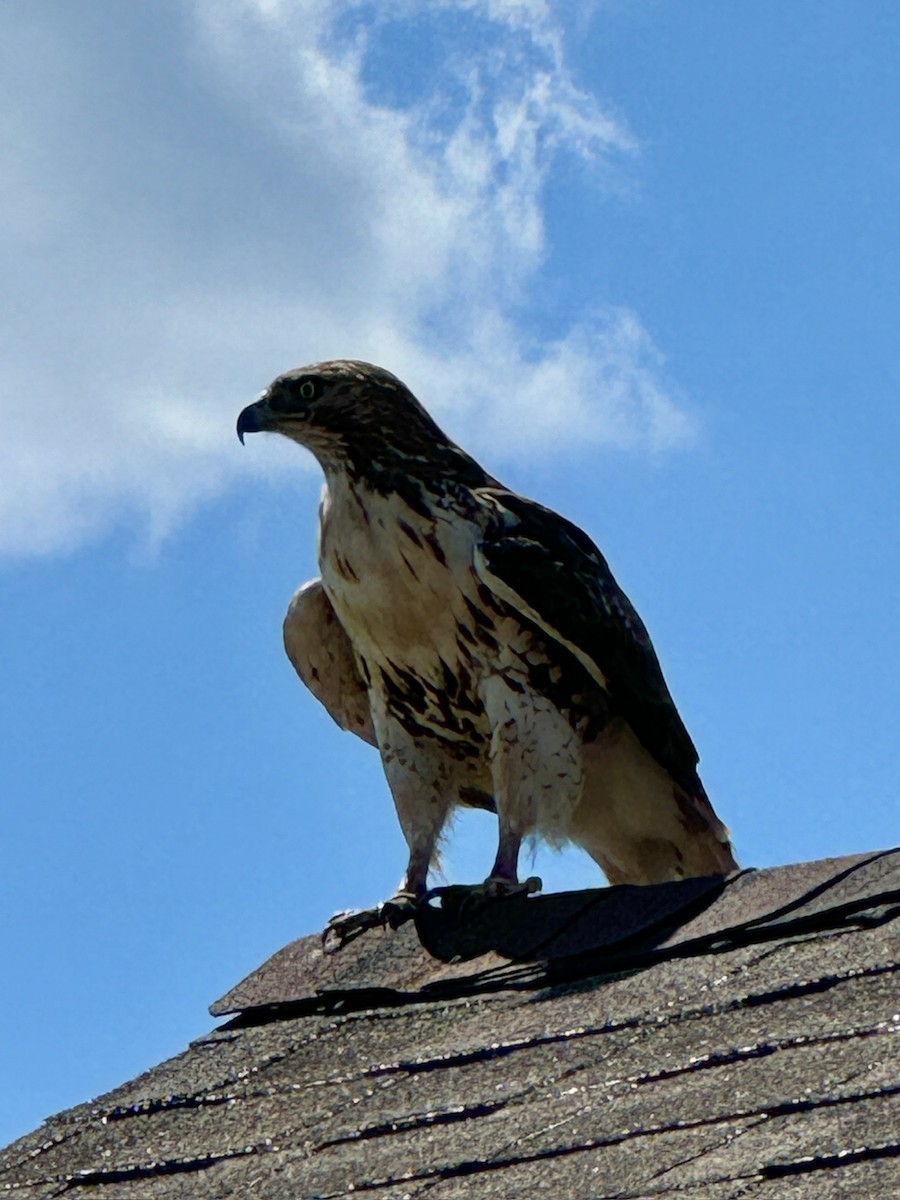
(215, 191)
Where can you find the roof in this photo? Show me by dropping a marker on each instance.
(702, 1039)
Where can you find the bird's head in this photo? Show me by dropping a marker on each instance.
(335, 407)
(359, 418)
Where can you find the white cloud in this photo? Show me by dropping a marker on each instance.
(214, 191)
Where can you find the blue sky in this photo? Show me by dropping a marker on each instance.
(641, 258)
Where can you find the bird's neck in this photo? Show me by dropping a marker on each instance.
(436, 475)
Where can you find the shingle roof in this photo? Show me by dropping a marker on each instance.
(703, 1039)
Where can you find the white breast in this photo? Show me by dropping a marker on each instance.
(392, 593)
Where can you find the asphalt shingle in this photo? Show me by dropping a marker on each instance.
(703, 1039)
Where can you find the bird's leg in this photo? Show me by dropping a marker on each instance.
(504, 877)
(420, 776)
(420, 779)
(536, 772)
(421, 852)
(463, 902)
(508, 712)
(506, 864)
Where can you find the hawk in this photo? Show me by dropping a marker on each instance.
(481, 643)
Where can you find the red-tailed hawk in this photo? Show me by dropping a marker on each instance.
(480, 641)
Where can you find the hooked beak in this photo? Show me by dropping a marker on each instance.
(254, 418)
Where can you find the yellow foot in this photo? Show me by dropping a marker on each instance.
(345, 927)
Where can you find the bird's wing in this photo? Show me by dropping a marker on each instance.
(323, 657)
(549, 570)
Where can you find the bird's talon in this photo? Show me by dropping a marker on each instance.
(496, 887)
(399, 909)
(344, 927)
(463, 900)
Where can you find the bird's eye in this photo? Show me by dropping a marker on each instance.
(307, 390)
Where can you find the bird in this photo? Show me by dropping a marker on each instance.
(481, 643)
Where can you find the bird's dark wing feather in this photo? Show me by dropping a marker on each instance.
(550, 571)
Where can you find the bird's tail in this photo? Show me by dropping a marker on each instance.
(640, 825)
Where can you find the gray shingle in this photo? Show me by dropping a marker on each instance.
(692, 1040)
